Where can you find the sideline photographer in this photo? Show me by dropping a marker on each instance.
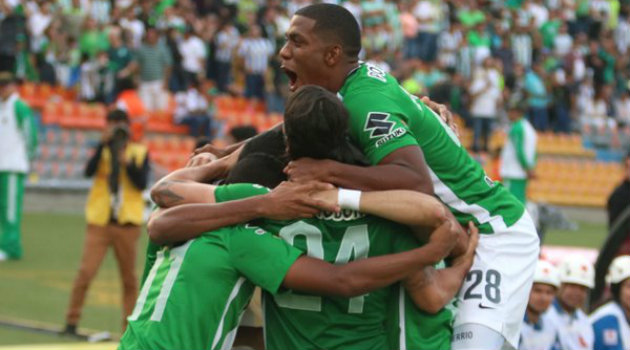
(114, 213)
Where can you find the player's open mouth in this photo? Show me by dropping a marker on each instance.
(292, 78)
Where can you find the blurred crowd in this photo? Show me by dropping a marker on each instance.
(566, 60)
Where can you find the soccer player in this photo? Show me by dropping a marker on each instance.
(296, 321)
(611, 322)
(518, 157)
(577, 276)
(412, 148)
(538, 331)
(18, 143)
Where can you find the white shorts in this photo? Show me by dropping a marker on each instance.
(496, 290)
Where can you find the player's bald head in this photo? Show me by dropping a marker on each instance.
(335, 24)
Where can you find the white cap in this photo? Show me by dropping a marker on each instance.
(619, 270)
(577, 270)
(546, 273)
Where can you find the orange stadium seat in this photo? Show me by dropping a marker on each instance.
(51, 113)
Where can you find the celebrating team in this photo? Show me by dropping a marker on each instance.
(218, 242)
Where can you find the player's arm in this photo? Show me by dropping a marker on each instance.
(189, 185)
(188, 221)
(27, 124)
(362, 276)
(421, 212)
(431, 289)
(404, 168)
(237, 147)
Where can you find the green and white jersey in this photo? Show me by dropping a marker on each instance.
(385, 117)
(413, 329)
(519, 152)
(299, 321)
(195, 294)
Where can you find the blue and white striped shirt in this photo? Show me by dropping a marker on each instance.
(226, 42)
(256, 52)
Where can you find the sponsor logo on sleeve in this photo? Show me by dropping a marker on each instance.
(376, 73)
(398, 132)
(379, 126)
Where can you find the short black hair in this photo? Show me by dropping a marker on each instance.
(242, 133)
(270, 142)
(258, 168)
(117, 115)
(315, 123)
(336, 23)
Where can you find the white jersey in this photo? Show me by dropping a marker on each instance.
(611, 327)
(575, 329)
(520, 147)
(13, 138)
(542, 335)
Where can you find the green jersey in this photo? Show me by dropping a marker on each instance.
(194, 294)
(384, 117)
(413, 329)
(299, 321)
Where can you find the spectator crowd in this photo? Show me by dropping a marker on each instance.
(567, 60)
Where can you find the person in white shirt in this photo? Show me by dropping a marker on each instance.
(428, 13)
(194, 53)
(255, 51)
(611, 322)
(538, 331)
(597, 112)
(538, 11)
(134, 26)
(449, 43)
(225, 42)
(485, 96)
(193, 109)
(577, 276)
(18, 144)
(38, 22)
(563, 42)
(622, 107)
(518, 156)
(622, 39)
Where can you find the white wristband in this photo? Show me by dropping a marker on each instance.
(349, 199)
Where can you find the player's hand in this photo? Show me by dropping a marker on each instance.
(200, 159)
(443, 112)
(443, 240)
(466, 260)
(330, 197)
(308, 169)
(291, 200)
(210, 148)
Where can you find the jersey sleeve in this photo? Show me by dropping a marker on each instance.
(518, 139)
(376, 125)
(261, 257)
(235, 192)
(26, 121)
